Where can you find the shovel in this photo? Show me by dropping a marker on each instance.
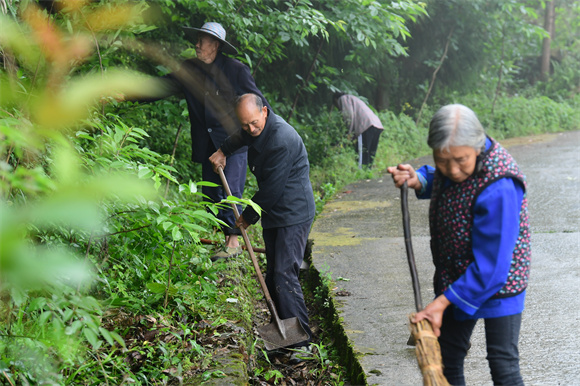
(280, 332)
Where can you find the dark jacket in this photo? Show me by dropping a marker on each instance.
(210, 91)
(278, 159)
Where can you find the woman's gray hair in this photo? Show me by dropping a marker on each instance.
(455, 125)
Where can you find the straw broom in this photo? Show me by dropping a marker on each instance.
(426, 344)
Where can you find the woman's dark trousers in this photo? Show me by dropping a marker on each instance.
(501, 335)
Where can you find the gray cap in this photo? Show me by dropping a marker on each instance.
(215, 30)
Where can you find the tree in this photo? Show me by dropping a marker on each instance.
(549, 26)
(490, 40)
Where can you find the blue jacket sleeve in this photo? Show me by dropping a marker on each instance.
(494, 235)
(426, 174)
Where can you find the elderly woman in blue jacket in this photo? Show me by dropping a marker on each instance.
(480, 242)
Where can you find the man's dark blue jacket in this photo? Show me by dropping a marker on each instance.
(278, 159)
(210, 91)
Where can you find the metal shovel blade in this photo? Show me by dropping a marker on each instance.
(273, 339)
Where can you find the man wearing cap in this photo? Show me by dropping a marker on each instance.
(210, 83)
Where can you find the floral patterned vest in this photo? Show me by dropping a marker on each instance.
(451, 221)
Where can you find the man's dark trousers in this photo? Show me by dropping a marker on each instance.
(235, 172)
(285, 248)
(370, 138)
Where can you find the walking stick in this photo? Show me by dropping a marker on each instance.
(426, 344)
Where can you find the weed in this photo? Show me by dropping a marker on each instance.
(271, 375)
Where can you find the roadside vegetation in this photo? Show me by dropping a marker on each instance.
(105, 276)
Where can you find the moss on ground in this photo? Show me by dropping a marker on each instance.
(328, 309)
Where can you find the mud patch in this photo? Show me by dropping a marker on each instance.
(527, 140)
(348, 206)
(340, 236)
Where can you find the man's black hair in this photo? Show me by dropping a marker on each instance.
(336, 96)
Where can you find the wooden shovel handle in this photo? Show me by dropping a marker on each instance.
(409, 246)
(269, 301)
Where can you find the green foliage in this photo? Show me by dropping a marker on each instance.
(321, 134)
(403, 138)
(46, 312)
(352, 38)
(269, 375)
(167, 124)
(95, 205)
(484, 41)
(564, 84)
(534, 116)
(145, 252)
(101, 215)
(85, 227)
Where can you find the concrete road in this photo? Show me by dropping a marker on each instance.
(358, 241)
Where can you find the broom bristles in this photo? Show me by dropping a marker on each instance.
(428, 353)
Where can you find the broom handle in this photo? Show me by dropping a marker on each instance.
(409, 246)
(269, 300)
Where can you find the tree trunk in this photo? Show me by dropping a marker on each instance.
(499, 71)
(381, 100)
(173, 156)
(434, 76)
(549, 27)
(262, 58)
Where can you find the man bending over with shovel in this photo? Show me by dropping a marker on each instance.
(278, 159)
